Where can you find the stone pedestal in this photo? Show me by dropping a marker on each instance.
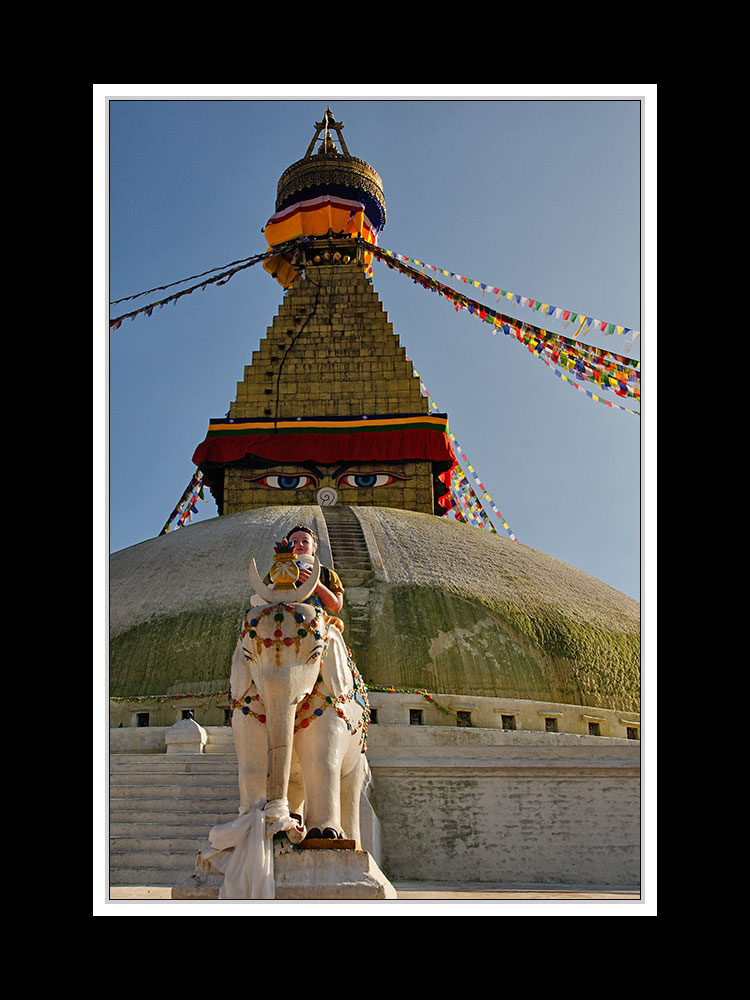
(185, 736)
(333, 870)
(330, 874)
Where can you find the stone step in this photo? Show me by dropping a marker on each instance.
(218, 734)
(150, 876)
(177, 860)
(160, 764)
(217, 779)
(174, 786)
(176, 806)
(185, 762)
(124, 844)
(167, 827)
(199, 767)
(169, 822)
(224, 812)
(356, 578)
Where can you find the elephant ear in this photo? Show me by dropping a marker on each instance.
(297, 596)
(334, 667)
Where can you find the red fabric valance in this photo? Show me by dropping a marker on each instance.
(326, 440)
(375, 446)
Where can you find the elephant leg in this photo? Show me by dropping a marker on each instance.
(296, 793)
(251, 745)
(351, 790)
(321, 749)
(252, 759)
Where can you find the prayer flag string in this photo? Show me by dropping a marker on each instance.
(192, 277)
(186, 506)
(218, 279)
(468, 505)
(606, 370)
(568, 316)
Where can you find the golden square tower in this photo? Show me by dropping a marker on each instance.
(330, 410)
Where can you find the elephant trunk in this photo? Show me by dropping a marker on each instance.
(281, 693)
(280, 733)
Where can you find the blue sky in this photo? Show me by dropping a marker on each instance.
(540, 195)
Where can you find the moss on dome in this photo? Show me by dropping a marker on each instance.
(452, 609)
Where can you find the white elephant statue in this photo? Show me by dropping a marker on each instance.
(299, 720)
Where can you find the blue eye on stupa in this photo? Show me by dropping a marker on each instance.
(277, 482)
(368, 480)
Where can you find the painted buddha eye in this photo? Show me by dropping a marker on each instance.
(368, 480)
(285, 482)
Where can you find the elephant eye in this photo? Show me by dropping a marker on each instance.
(285, 482)
(368, 480)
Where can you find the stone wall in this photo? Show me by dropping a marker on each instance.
(513, 808)
(397, 709)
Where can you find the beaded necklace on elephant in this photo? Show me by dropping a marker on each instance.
(306, 628)
(326, 697)
(302, 720)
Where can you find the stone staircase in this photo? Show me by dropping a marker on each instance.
(162, 807)
(351, 560)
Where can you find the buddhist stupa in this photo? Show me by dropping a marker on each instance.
(327, 426)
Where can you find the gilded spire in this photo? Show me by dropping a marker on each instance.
(327, 144)
(332, 170)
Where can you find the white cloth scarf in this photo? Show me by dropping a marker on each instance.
(248, 870)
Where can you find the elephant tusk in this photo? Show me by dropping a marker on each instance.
(260, 588)
(296, 596)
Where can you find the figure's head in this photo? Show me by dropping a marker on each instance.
(303, 540)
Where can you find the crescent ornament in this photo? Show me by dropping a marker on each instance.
(271, 596)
